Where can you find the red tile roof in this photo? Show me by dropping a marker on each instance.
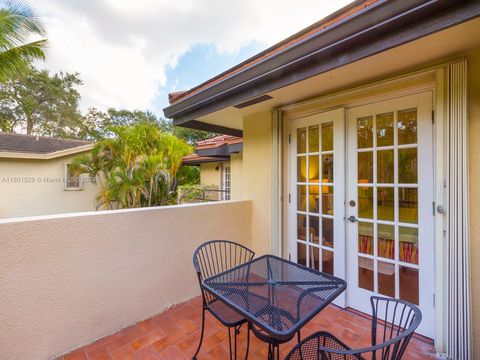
(330, 20)
(212, 143)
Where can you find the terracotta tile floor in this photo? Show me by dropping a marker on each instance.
(174, 335)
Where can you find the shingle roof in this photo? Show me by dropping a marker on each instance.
(36, 144)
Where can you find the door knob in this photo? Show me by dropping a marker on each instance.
(352, 219)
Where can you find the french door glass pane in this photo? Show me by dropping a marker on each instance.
(314, 228)
(365, 167)
(365, 132)
(327, 232)
(301, 254)
(365, 202)
(408, 245)
(302, 169)
(385, 203)
(408, 205)
(386, 278)
(365, 273)
(313, 198)
(327, 261)
(301, 198)
(301, 227)
(407, 126)
(385, 129)
(301, 140)
(407, 166)
(409, 284)
(365, 238)
(314, 257)
(313, 138)
(386, 241)
(327, 137)
(327, 200)
(385, 172)
(327, 168)
(313, 169)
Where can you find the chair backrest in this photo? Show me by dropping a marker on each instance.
(389, 338)
(216, 256)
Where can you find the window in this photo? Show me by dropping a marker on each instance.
(72, 180)
(226, 183)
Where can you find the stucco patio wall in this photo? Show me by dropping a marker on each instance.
(68, 280)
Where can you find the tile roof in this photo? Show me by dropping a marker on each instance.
(213, 143)
(31, 144)
(330, 20)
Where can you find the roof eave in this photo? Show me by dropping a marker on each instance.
(380, 27)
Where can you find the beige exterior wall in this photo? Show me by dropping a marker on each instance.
(24, 191)
(473, 58)
(211, 176)
(257, 176)
(236, 166)
(68, 280)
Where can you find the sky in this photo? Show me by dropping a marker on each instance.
(131, 53)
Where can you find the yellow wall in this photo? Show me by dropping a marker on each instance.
(24, 191)
(257, 176)
(236, 167)
(474, 164)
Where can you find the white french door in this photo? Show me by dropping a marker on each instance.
(316, 192)
(389, 209)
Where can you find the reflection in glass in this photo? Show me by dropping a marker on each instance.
(408, 205)
(313, 228)
(365, 238)
(385, 129)
(314, 257)
(301, 198)
(301, 169)
(365, 273)
(386, 278)
(301, 227)
(327, 200)
(313, 168)
(408, 245)
(385, 203)
(327, 261)
(365, 167)
(301, 141)
(385, 170)
(407, 126)
(313, 199)
(327, 137)
(301, 254)
(327, 168)
(365, 202)
(327, 232)
(313, 138)
(365, 132)
(386, 241)
(407, 166)
(409, 284)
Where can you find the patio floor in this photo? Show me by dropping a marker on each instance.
(174, 335)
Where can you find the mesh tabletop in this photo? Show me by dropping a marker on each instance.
(275, 294)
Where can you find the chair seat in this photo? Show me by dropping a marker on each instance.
(226, 315)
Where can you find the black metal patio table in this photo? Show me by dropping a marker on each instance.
(276, 295)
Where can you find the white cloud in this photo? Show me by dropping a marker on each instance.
(123, 47)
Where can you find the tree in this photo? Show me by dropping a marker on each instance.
(17, 23)
(36, 102)
(136, 168)
(191, 136)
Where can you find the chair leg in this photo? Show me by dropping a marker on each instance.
(299, 337)
(201, 335)
(230, 343)
(248, 341)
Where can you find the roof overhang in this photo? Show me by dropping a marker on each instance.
(220, 151)
(383, 26)
(46, 156)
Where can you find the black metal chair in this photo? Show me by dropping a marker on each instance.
(211, 258)
(389, 338)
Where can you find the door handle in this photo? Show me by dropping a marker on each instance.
(352, 219)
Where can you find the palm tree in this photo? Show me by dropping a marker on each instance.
(17, 25)
(138, 167)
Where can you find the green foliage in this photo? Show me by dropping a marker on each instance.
(189, 193)
(42, 104)
(17, 23)
(188, 175)
(191, 136)
(136, 168)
